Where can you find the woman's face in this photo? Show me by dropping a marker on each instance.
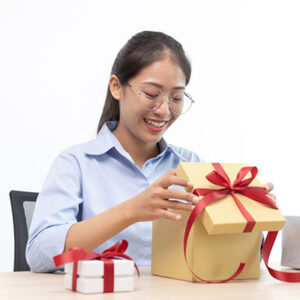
(137, 121)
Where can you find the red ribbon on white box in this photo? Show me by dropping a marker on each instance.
(76, 254)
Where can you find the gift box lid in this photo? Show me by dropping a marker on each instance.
(94, 268)
(223, 216)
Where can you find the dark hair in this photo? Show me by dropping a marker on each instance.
(141, 50)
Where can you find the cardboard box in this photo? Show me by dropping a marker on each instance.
(212, 257)
(217, 244)
(223, 216)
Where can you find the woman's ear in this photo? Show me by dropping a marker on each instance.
(115, 87)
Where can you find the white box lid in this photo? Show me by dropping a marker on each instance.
(94, 268)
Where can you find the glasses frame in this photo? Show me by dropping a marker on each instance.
(139, 93)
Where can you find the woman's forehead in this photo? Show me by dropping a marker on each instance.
(163, 73)
(159, 86)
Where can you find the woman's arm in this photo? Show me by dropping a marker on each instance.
(149, 205)
(91, 233)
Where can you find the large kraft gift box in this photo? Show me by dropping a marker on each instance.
(217, 243)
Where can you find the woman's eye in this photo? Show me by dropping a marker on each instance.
(151, 95)
(176, 99)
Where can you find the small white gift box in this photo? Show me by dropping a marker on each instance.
(90, 276)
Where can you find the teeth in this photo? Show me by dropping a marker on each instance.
(155, 124)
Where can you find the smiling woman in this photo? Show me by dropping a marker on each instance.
(108, 189)
(145, 117)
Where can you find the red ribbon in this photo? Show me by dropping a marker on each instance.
(267, 248)
(75, 254)
(220, 178)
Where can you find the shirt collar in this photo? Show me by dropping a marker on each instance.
(106, 140)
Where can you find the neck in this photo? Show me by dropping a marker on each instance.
(139, 151)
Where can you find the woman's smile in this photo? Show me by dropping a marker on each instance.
(155, 125)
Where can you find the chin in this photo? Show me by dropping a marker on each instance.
(152, 138)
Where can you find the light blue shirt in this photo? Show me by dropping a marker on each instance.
(88, 179)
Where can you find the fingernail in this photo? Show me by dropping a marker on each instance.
(195, 199)
(178, 217)
(189, 183)
(192, 207)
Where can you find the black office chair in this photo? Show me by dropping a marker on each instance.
(22, 204)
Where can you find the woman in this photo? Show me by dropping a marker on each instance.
(112, 187)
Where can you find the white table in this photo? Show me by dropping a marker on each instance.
(27, 285)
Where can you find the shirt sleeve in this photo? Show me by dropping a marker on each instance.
(56, 210)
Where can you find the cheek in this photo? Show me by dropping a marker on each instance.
(134, 117)
(129, 110)
(174, 118)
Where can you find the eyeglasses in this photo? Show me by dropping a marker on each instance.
(151, 98)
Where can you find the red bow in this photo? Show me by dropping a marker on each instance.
(75, 254)
(219, 177)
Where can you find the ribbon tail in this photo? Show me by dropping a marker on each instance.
(74, 254)
(280, 275)
(236, 274)
(257, 194)
(250, 220)
(206, 200)
(119, 247)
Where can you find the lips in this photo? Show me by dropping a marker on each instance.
(155, 125)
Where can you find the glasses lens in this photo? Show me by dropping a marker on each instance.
(180, 103)
(152, 97)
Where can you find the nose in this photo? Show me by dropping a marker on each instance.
(164, 108)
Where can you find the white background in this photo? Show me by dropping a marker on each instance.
(55, 61)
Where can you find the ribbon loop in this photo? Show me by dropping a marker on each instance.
(217, 179)
(239, 182)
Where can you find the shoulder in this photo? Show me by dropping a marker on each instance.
(79, 150)
(72, 156)
(185, 154)
(76, 150)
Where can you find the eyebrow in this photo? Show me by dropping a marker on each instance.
(160, 86)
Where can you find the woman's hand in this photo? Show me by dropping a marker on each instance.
(153, 202)
(269, 187)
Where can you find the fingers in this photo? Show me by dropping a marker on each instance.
(169, 215)
(171, 178)
(269, 187)
(177, 205)
(178, 194)
(273, 197)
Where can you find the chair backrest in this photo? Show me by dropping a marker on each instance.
(22, 204)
